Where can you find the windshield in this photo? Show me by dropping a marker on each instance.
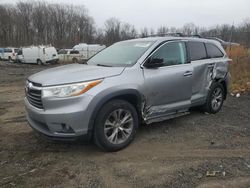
(121, 54)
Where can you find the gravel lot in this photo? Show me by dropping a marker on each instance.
(175, 153)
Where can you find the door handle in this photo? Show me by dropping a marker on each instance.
(188, 73)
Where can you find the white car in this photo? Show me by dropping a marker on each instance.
(69, 55)
(10, 54)
(37, 54)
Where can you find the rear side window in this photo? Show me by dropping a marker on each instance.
(172, 53)
(74, 52)
(197, 51)
(16, 50)
(213, 51)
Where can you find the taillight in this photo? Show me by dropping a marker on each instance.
(13, 54)
(230, 61)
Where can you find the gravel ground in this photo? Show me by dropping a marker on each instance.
(174, 153)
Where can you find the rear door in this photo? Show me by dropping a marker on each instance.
(169, 87)
(201, 71)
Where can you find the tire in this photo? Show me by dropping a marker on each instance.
(74, 60)
(9, 59)
(215, 98)
(117, 135)
(39, 62)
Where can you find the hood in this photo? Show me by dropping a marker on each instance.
(73, 73)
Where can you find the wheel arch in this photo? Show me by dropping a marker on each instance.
(130, 95)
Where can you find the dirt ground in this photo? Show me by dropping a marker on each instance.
(175, 153)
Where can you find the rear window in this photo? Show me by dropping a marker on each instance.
(197, 51)
(74, 52)
(16, 50)
(7, 50)
(213, 51)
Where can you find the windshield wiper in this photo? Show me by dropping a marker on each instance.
(103, 65)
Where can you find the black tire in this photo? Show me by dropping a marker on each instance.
(208, 106)
(75, 60)
(39, 62)
(9, 59)
(101, 138)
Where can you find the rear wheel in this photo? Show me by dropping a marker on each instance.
(115, 125)
(215, 98)
(75, 60)
(39, 62)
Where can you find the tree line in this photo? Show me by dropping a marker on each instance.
(39, 22)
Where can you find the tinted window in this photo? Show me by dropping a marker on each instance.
(197, 51)
(213, 51)
(7, 50)
(172, 53)
(20, 52)
(74, 52)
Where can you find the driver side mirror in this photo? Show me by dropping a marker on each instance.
(154, 63)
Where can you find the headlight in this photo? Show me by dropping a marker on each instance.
(69, 89)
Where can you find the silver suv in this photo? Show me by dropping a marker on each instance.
(134, 81)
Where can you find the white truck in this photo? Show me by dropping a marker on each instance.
(88, 50)
(37, 54)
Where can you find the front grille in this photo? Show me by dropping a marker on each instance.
(34, 94)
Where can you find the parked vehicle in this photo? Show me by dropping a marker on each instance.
(37, 54)
(1, 53)
(224, 43)
(141, 80)
(10, 54)
(69, 55)
(88, 50)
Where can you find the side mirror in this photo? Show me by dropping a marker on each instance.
(154, 63)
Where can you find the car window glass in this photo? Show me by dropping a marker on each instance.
(7, 50)
(213, 51)
(62, 52)
(197, 51)
(74, 52)
(172, 53)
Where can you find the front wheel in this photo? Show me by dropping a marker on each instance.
(115, 125)
(215, 98)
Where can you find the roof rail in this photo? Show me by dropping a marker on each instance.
(174, 34)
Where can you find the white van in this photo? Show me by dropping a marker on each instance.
(10, 54)
(88, 50)
(37, 54)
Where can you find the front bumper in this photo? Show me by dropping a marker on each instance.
(63, 119)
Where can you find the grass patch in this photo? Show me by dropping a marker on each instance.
(239, 69)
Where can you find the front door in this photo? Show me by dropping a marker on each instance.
(169, 87)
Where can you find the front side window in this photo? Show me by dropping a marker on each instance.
(121, 54)
(197, 51)
(172, 53)
(213, 51)
(62, 51)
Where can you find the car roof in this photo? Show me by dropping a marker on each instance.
(168, 38)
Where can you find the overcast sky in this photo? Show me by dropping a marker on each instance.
(155, 13)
